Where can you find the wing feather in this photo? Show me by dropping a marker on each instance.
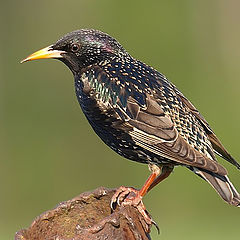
(217, 145)
(167, 123)
(155, 131)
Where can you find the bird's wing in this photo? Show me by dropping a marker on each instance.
(161, 121)
(155, 131)
(217, 145)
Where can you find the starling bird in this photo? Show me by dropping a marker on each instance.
(138, 113)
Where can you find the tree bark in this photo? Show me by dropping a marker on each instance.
(88, 216)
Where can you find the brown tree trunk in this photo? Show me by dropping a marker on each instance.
(88, 216)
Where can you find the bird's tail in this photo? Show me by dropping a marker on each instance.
(221, 184)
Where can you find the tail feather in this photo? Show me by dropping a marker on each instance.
(221, 184)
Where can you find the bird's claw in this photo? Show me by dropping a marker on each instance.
(123, 195)
(130, 196)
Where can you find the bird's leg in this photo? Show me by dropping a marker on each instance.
(131, 196)
(166, 170)
(156, 171)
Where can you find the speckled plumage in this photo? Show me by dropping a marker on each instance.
(137, 112)
(113, 83)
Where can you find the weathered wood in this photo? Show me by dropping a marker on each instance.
(88, 216)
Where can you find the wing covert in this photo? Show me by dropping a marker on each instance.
(155, 131)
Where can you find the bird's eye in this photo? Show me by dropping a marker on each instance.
(75, 47)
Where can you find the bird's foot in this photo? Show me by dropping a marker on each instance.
(131, 196)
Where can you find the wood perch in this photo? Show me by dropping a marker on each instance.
(88, 216)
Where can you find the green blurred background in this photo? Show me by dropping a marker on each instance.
(50, 154)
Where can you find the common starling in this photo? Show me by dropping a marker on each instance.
(140, 114)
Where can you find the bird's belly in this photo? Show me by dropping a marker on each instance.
(106, 124)
(111, 128)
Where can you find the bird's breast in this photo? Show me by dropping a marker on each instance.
(106, 122)
(100, 114)
(93, 107)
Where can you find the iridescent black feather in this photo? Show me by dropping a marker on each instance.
(136, 111)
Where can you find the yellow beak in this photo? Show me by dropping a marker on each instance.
(47, 52)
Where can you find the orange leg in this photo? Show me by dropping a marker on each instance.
(151, 179)
(166, 171)
(130, 196)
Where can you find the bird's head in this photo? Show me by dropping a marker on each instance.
(81, 48)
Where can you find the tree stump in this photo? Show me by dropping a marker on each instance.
(88, 216)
